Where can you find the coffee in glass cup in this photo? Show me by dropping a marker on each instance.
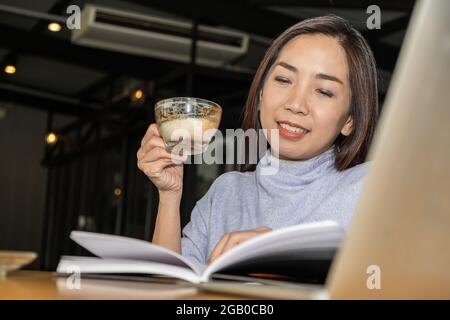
(187, 124)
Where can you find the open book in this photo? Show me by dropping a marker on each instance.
(298, 253)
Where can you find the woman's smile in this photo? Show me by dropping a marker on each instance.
(291, 131)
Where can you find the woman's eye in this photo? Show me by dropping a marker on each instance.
(325, 93)
(282, 80)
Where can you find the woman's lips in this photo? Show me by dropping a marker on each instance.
(290, 135)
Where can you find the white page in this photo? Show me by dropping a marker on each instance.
(331, 239)
(100, 265)
(117, 247)
(319, 234)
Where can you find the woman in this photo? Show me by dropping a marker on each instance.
(317, 85)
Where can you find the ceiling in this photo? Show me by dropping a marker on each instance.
(72, 79)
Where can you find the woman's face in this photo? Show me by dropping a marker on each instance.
(307, 87)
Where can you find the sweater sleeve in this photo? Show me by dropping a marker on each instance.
(196, 234)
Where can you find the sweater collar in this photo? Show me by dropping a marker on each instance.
(304, 171)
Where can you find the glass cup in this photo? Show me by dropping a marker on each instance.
(187, 124)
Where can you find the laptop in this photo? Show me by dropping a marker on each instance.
(398, 244)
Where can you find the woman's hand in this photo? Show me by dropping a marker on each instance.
(163, 168)
(229, 240)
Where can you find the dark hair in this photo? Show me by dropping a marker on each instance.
(352, 149)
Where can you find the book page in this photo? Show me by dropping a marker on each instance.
(118, 266)
(326, 234)
(117, 247)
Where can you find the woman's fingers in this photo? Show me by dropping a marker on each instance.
(156, 160)
(263, 229)
(237, 238)
(162, 167)
(157, 168)
(152, 131)
(153, 142)
(231, 240)
(218, 248)
(156, 142)
(157, 153)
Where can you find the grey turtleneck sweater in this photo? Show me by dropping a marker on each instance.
(300, 192)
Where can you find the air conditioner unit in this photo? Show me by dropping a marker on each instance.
(156, 37)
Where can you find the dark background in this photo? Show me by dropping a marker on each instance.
(89, 180)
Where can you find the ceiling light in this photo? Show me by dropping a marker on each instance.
(117, 192)
(51, 138)
(138, 94)
(10, 69)
(54, 27)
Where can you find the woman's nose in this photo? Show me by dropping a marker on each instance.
(297, 103)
